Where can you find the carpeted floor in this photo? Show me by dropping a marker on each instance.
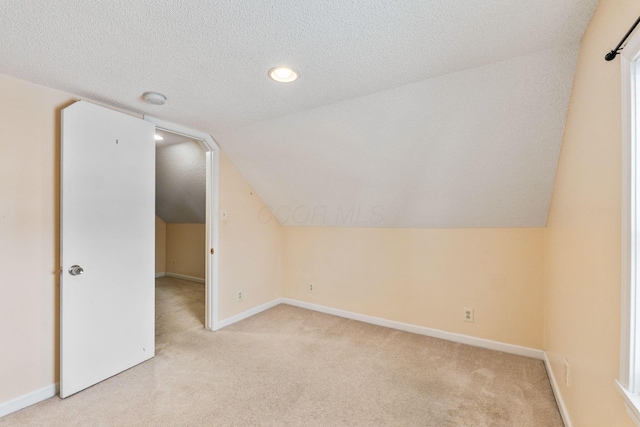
(293, 367)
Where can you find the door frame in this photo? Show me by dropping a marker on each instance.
(212, 156)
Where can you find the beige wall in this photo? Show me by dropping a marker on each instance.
(161, 245)
(186, 252)
(29, 192)
(583, 264)
(250, 246)
(425, 276)
(29, 181)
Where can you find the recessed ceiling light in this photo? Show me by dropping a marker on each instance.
(154, 98)
(283, 74)
(158, 137)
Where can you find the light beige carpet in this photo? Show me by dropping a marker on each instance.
(293, 367)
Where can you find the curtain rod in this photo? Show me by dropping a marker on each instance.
(612, 55)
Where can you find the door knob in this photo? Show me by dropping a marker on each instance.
(75, 270)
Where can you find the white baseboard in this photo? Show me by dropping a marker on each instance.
(556, 392)
(162, 274)
(241, 316)
(50, 391)
(449, 336)
(28, 399)
(184, 277)
(421, 330)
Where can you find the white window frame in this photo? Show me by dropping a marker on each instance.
(629, 382)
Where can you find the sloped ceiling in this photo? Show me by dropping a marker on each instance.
(421, 113)
(180, 180)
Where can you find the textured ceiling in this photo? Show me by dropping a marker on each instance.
(428, 113)
(180, 180)
(484, 155)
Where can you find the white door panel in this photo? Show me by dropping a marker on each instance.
(107, 228)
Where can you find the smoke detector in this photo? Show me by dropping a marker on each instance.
(154, 98)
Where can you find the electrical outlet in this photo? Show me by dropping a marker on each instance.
(567, 372)
(239, 295)
(312, 287)
(173, 262)
(468, 314)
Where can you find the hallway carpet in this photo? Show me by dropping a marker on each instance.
(292, 367)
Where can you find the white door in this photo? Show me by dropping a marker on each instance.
(107, 244)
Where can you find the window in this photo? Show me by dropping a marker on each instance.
(629, 382)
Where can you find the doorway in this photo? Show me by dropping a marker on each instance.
(211, 157)
(180, 227)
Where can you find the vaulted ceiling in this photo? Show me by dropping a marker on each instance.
(408, 113)
(180, 179)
